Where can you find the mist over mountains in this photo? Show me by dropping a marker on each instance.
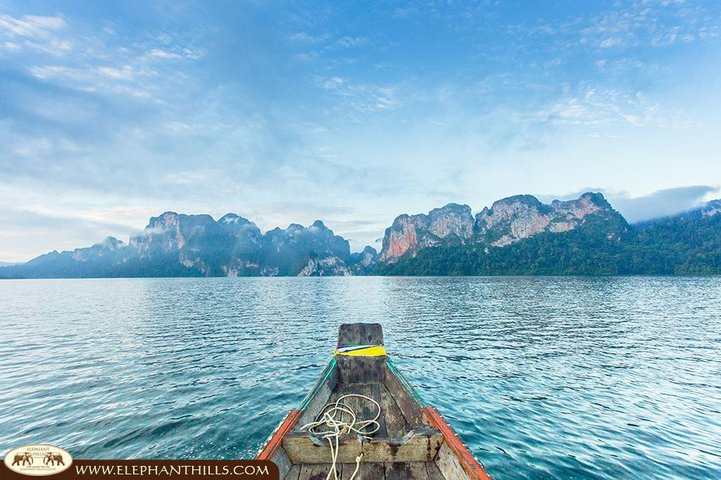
(517, 235)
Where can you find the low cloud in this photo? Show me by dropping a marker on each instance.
(25, 234)
(661, 203)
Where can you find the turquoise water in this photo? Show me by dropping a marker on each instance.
(601, 378)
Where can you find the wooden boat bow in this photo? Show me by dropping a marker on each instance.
(412, 440)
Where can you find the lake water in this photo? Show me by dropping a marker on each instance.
(583, 378)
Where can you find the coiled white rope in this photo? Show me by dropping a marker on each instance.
(330, 426)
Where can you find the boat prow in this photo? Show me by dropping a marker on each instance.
(407, 440)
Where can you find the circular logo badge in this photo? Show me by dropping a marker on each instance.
(38, 460)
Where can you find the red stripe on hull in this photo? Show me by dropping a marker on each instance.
(277, 439)
(468, 461)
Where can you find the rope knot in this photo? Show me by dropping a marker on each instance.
(329, 425)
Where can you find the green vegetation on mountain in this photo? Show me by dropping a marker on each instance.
(688, 244)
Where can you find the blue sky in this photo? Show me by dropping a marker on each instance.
(350, 112)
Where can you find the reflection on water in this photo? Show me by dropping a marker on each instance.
(542, 377)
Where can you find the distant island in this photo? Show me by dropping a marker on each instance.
(515, 236)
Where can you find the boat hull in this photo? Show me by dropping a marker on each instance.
(413, 440)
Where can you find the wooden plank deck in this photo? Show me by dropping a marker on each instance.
(370, 471)
(392, 422)
(394, 418)
(391, 443)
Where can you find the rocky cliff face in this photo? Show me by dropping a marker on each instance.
(198, 243)
(173, 232)
(408, 234)
(507, 221)
(325, 267)
(515, 218)
(107, 247)
(309, 251)
(362, 263)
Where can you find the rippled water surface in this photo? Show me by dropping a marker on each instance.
(542, 377)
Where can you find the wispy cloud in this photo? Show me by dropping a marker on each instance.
(595, 107)
(651, 23)
(627, 25)
(160, 53)
(350, 42)
(33, 32)
(307, 38)
(363, 97)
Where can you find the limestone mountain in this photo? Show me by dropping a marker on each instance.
(522, 236)
(175, 244)
(507, 221)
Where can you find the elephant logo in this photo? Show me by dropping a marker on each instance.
(38, 460)
(24, 458)
(52, 458)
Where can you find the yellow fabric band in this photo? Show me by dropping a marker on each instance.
(361, 351)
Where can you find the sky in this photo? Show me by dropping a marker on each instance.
(349, 112)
